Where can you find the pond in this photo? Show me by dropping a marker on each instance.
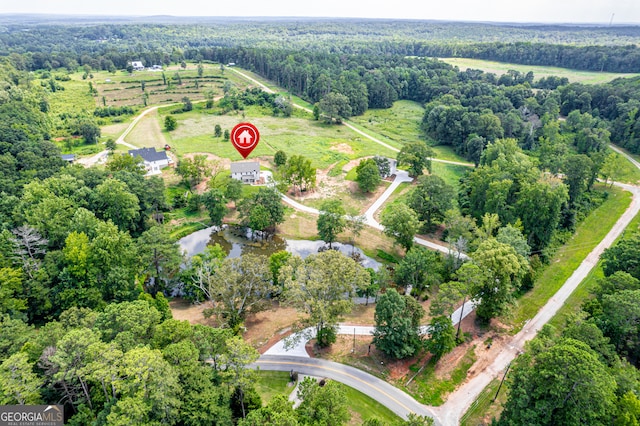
(236, 241)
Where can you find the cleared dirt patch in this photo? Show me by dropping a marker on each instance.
(267, 327)
(343, 148)
(183, 310)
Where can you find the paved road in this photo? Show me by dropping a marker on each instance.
(460, 401)
(298, 349)
(394, 399)
(401, 176)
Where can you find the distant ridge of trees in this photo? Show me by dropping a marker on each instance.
(109, 44)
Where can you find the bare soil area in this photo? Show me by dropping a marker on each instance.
(342, 148)
(183, 310)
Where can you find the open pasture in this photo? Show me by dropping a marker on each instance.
(499, 68)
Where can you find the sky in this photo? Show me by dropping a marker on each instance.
(553, 11)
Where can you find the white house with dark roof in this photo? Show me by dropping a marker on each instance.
(246, 171)
(154, 160)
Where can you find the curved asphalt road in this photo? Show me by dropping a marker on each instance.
(394, 399)
(458, 402)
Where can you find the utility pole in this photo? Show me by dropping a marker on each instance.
(464, 300)
(502, 381)
(354, 341)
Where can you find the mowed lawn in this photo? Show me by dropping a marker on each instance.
(361, 407)
(397, 125)
(499, 68)
(323, 144)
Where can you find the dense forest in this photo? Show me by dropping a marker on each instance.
(86, 263)
(613, 48)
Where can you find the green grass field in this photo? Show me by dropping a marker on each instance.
(588, 234)
(484, 408)
(574, 302)
(499, 68)
(627, 173)
(74, 100)
(450, 173)
(362, 407)
(272, 383)
(399, 124)
(323, 144)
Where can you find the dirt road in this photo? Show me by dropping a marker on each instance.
(460, 400)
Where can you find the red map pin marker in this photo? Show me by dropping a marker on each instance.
(245, 138)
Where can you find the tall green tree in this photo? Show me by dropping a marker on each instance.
(239, 286)
(322, 405)
(280, 158)
(216, 204)
(397, 330)
(564, 384)
(420, 268)
(114, 201)
(193, 170)
(577, 172)
(417, 156)
(119, 162)
(334, 107)
(151, 390)
(238, 356)
(620, 321)
(503, 269)
(367, 175)
(400, 223)
(278, 412)
(299, 173)
(263, 211)
(12, 297)
(321, 286)
(19, 384)
(441, 338)
(331, 221)
(170, 123)
(160, 258)
(233, 190)
(623, 256)
(431, 198)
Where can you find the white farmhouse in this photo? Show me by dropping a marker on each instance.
(137, 65)
(246, 171)
(154, 161)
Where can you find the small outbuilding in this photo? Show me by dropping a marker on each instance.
(69, 158)
(246, 171)
(154, 161)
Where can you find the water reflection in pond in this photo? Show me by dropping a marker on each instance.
(235, 243)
